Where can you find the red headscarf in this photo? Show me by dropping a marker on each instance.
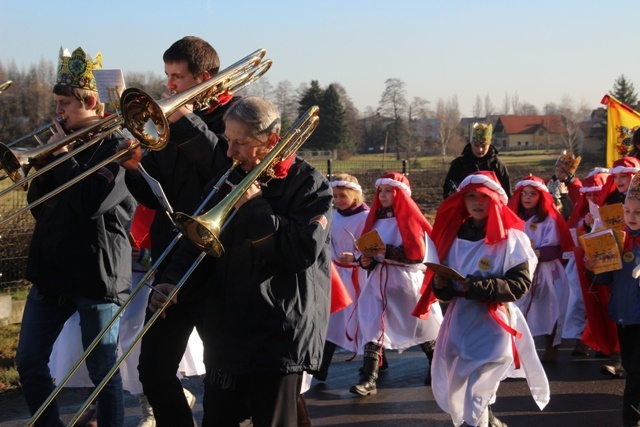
(411, 222)
(452, 213)
(629, 165)
(548, 206)
(593, 183)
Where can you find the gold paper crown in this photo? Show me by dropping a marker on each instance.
(568, 162)
(76, 70)
(634, 187)
(482, 133)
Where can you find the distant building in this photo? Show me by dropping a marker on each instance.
(522, 132)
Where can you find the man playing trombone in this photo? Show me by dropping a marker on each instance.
(79, 256)
(267, 306)
(192, 157)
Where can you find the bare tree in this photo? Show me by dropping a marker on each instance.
(286, 100)
(506, 104)
(515, 104)
(448, 115)
(527, 109)
(262, 88)
(393, 104)
(417, 125)
(572, 116)
(477, 107)
(488, 105)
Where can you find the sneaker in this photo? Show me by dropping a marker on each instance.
(191, 399)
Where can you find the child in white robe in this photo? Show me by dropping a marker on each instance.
(545, 305)
(484, 336)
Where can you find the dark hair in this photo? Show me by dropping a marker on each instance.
(199, 55)
(541, 212)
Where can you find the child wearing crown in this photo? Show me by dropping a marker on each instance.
(624, 304)
(478, 155)
(79, 255)
(484, 336)
(564, 185)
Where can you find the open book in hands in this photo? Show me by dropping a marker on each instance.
(370, 244)
(445, 271)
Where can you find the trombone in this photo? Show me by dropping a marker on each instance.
(4, 86)
(300, 131)
(144, 117)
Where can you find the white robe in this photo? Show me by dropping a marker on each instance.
(390, 294)
(546, 302)
(473, 352)
(343, 324)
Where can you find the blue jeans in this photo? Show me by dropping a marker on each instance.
(43, 319)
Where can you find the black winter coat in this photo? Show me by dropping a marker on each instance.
(80, 244)
(193, 156)
(268, 296)
(467, 163)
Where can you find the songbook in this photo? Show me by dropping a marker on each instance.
(157, 190)
(612, 216)
(445, 271)
(604, 248)
(110, 86)
(370, 244)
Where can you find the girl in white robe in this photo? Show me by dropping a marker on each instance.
(395, 278)
(348, 221)
(484, 337)
(545, 305)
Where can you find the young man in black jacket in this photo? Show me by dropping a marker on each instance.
(79, 256)
(478, 155)
(191, 159)
(267, 310)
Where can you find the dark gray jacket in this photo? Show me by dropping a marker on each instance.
(268, 296)
(80, 245)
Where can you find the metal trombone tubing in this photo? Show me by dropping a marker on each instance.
(142, 332)
(109, 123)
(142, 282)
(69, 183)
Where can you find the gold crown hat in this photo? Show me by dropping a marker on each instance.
(634, 187)
(568, 162)
(482, 133)
(76, 69)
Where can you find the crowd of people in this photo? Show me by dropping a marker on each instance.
(472, 291)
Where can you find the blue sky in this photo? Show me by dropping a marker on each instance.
(542, 50)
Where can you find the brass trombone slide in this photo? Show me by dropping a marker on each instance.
(300, 131)
(4, 86)
(144, 281)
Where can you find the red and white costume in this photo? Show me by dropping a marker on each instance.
(392, 288)
(546, 303)
(480, 343)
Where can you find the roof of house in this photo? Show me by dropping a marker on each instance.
(528, 124)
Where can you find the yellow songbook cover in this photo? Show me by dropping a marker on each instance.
(612, 216)
(603, 247)
(370, 244)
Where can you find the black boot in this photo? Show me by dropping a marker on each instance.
(327, 355)
(428, 347)
(369, 376)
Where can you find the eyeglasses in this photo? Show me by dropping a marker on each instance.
(529, 193)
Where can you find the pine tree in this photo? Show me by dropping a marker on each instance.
(313, 96)
(332, 121)
(624, 91)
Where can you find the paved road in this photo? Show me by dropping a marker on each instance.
(580, 396)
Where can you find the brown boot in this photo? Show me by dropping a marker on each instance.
(550, 351)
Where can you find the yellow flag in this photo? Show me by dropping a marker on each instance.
(622, 122)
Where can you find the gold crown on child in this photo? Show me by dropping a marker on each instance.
(76, 69)
(482, 133)
(634, 187)
(568, 162)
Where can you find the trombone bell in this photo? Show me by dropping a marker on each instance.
(202, 232)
